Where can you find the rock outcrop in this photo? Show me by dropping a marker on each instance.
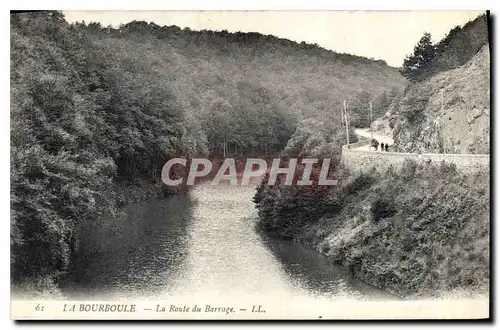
(448, 113)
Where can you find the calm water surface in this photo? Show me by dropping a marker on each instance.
(204, 244)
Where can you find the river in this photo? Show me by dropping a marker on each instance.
(203, 244)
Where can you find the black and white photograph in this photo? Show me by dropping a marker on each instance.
(250, 165)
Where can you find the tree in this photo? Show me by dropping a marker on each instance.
(416, 65)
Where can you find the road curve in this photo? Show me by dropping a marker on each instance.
(365, 132)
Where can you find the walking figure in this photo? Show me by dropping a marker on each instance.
(387, 147)
(382, 146)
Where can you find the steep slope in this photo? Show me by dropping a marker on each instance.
(421, 232)
(448, 113)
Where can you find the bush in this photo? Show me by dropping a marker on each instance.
(414, 105)
(285, 209)
(383, 207)
(361, 181)
(392, 123)
(409, 169)
(435, 236)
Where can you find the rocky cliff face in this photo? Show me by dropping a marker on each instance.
(448, 113)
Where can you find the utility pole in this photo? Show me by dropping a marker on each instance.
(346, 123)
(371, 119)
(341, 116)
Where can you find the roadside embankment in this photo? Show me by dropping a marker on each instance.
(420, 231)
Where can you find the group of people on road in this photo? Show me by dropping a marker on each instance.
(383, 147)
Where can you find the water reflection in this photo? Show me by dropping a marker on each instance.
(315, 272)
(225, 254)
(204, 245)
(136, 256)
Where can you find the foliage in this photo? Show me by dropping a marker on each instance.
(94, 108)
(412, 106)
(360, 182)
(424, 53)
(286, 209)
(248, 91)
(454, 50)
(315, 138)
(429, 234)
(381, 208)
(79, 121)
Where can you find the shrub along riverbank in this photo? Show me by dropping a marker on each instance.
(421, 232)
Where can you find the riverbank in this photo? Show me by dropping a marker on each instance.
(420, 233)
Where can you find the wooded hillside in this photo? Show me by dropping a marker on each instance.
(94, 106)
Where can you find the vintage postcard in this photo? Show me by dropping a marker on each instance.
(250, 165)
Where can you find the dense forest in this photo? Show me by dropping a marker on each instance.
(93, 108)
